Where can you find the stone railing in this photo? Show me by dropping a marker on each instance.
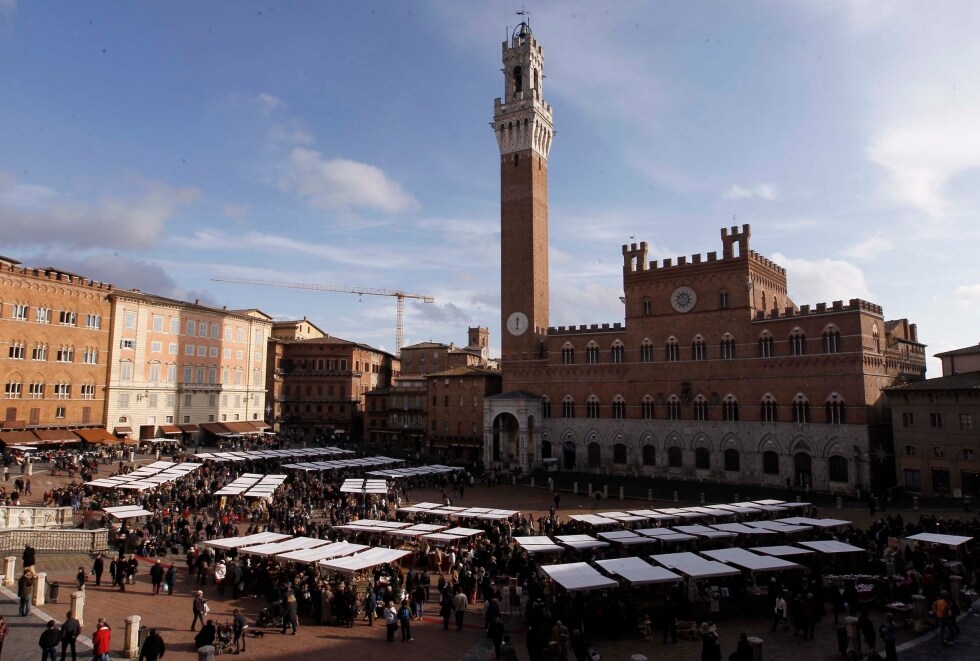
(35, 517)
(65, 540)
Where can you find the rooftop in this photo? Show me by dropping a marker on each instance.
(964, 381)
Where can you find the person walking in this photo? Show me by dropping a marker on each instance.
(156, 576)
(49, 641)
(199, 607)
(98, 567)
(153, 647)
(445, 608)
(370, 606)
(239, 626)
(29, 556)
(171, 578)
(291, 617)
(391, 621)
(80, 579)
(888, 631)
(668, 613)
(743, 651)
(101, 640)
(405, 621)
(459, 608)
(70, 631)
(496, 632)
(25, 591)
(942, 611)
(779, 613)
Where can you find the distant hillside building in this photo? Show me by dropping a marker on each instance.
(716, 374)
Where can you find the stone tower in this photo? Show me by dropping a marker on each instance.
(522, 122)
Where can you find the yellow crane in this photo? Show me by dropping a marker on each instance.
(399, 295)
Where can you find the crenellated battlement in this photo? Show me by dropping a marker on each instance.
(855, 304)
(585, 329)
(768, 263)
(55, 275)
(635, 255)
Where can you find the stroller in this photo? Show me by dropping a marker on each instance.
(224, 639)
(270, 616)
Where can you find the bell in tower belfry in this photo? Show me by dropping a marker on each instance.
(523, 125)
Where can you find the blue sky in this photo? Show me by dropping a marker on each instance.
(158, 145)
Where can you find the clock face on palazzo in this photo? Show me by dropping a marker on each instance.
(683, 299)
(517, 323)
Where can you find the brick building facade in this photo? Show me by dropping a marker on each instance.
(456, 400)
(54, 348)
(715, 374)
(430, 357)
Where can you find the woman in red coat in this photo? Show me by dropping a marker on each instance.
(100, 641)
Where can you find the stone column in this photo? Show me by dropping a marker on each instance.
(675, 496)
(956, 589)
(919, 610)
(78, 606)
(605, 492)
(650, 495)
(205, 653)
(853, 635)
(574, 488)
(756, 644)
(131, 638)
(10, 568)
(40, 583)
(702, 498)
(621, 493)
(30, 467)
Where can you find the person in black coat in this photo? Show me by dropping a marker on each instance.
(206, 635)
(97, 568)
(743, 652)
(153, 647)
(28, 556)
(70, 631)
(49, 641)
(156, 576)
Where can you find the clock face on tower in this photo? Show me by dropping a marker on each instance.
(683, 299)
(517, 323)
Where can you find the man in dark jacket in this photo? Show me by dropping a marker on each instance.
(206, 635)
(25, 591)
(49, 641)
(156, 576)
(153, 647)
(28, 556)
(69, 633)
(97, 568)
(171, 578)
(239, 626)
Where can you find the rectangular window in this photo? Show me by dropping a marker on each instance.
(59, 412)
(187, 419)
(152, 400)
(157, 323)
(90, 356)
(62, 391)
(126, 371)
(908, 419)
(187, 400)
(172, 349)
(212, 400)
(156, 347)
(241, 334)
(36, 391)
(88, 391)
(213, 352)
(191, 327)
(174, 326)
(20, 312)
(170, 419)
(129, 320)
(171, 400)
(203, 329)
(240, 355)
(66, 354)
(228, 333)
(40, 352)
(187, 375)
(17, 351)
(202, 351)
(966, 421)
(226, 353)
(93, 321)
(211, 417)
(214, 331)
(13, 390)
(154, 373)
(936, 420)
(189, 350)
(124, 400)
(67, 318)
(43, 316)
(128, 344)
(343, 364)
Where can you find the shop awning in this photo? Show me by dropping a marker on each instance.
(188, 429)
(12, 438)
(258, 425)
(122, 430)
(96, 435)
(170, 429)
(214, 428)
(55, 436)
(230, 543)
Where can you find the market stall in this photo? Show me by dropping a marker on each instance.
(311, 555)
(638, 572)
(284, 546)
(352, 564)
(577, 576)
(233, 543)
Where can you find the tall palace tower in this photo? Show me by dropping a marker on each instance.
(522, 122)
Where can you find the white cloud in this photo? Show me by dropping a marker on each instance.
(40, 215)
(290, 133)
(967, 296)
(870, 248)
(823, 280)
(760, 191)
(236, 211)
(344, 184)
(268, 103)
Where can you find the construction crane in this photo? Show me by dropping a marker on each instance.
(399, 295)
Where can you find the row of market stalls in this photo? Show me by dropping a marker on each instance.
(281, 455)
(146, 477)
(252, 485)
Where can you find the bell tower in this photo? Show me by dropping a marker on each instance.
(522, 122)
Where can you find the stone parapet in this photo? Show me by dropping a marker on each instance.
(66, 540)
(35, 517)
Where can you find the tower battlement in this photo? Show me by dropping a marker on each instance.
(635, 255)
(585, 329)
(855, 304)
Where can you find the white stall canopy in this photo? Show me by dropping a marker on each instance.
(593, 519)
(665, 534)
(126, 511)
(704, 531)
(742, 529)
(248, 540)
(275, 548)
(934, 538)
(782, 551)
(335, 550)
(581, 542)
(831, 546)
(693, 565)
(578, 576)
(624, 537)
(538, 544)
(816, 523)
(748, 560)
(378, 555)
(638, 572)
(360, 485)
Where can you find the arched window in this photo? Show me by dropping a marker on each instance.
(619, 453)
(837, 467)
(647, 407)
(568, 407)
(546, 449)
(649, 455)
(673, 408)
(733, 460)
(700, 408)
(765, 345)
(835, 410)
(801, 409)
(646, 351)
(702, 459)
(618, 352)
(673, 350)
(727, 347)
(647, 307)
(595, 455)
(831, 340)
(592, 353)
(770, 463)
(723, 299)
(698, 350)
(568, 354)
(797, 343)
(729, 409)
(592, 407)
(545, 407)
(876, 338)
(767, 412)
(675, 456)
(619, 407)
(518, 78)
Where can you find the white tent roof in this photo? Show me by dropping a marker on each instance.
(463, 532)
(624, 517)
(360, 485)
(624, 537)
(694, 565)
(776, 526)
(703, 531)
(578, 576)
(538, 544)
(247, 540)
(831, 546)
(378, 555)
(581, 542)
(638, 572)
(594, 519)
(934, 538)
(275, 548)
(816, 523)
(781, 551)
(651, 514)
(664, 534)
(126, 511)
(335, 550)
(742, 529)
(749, 560)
